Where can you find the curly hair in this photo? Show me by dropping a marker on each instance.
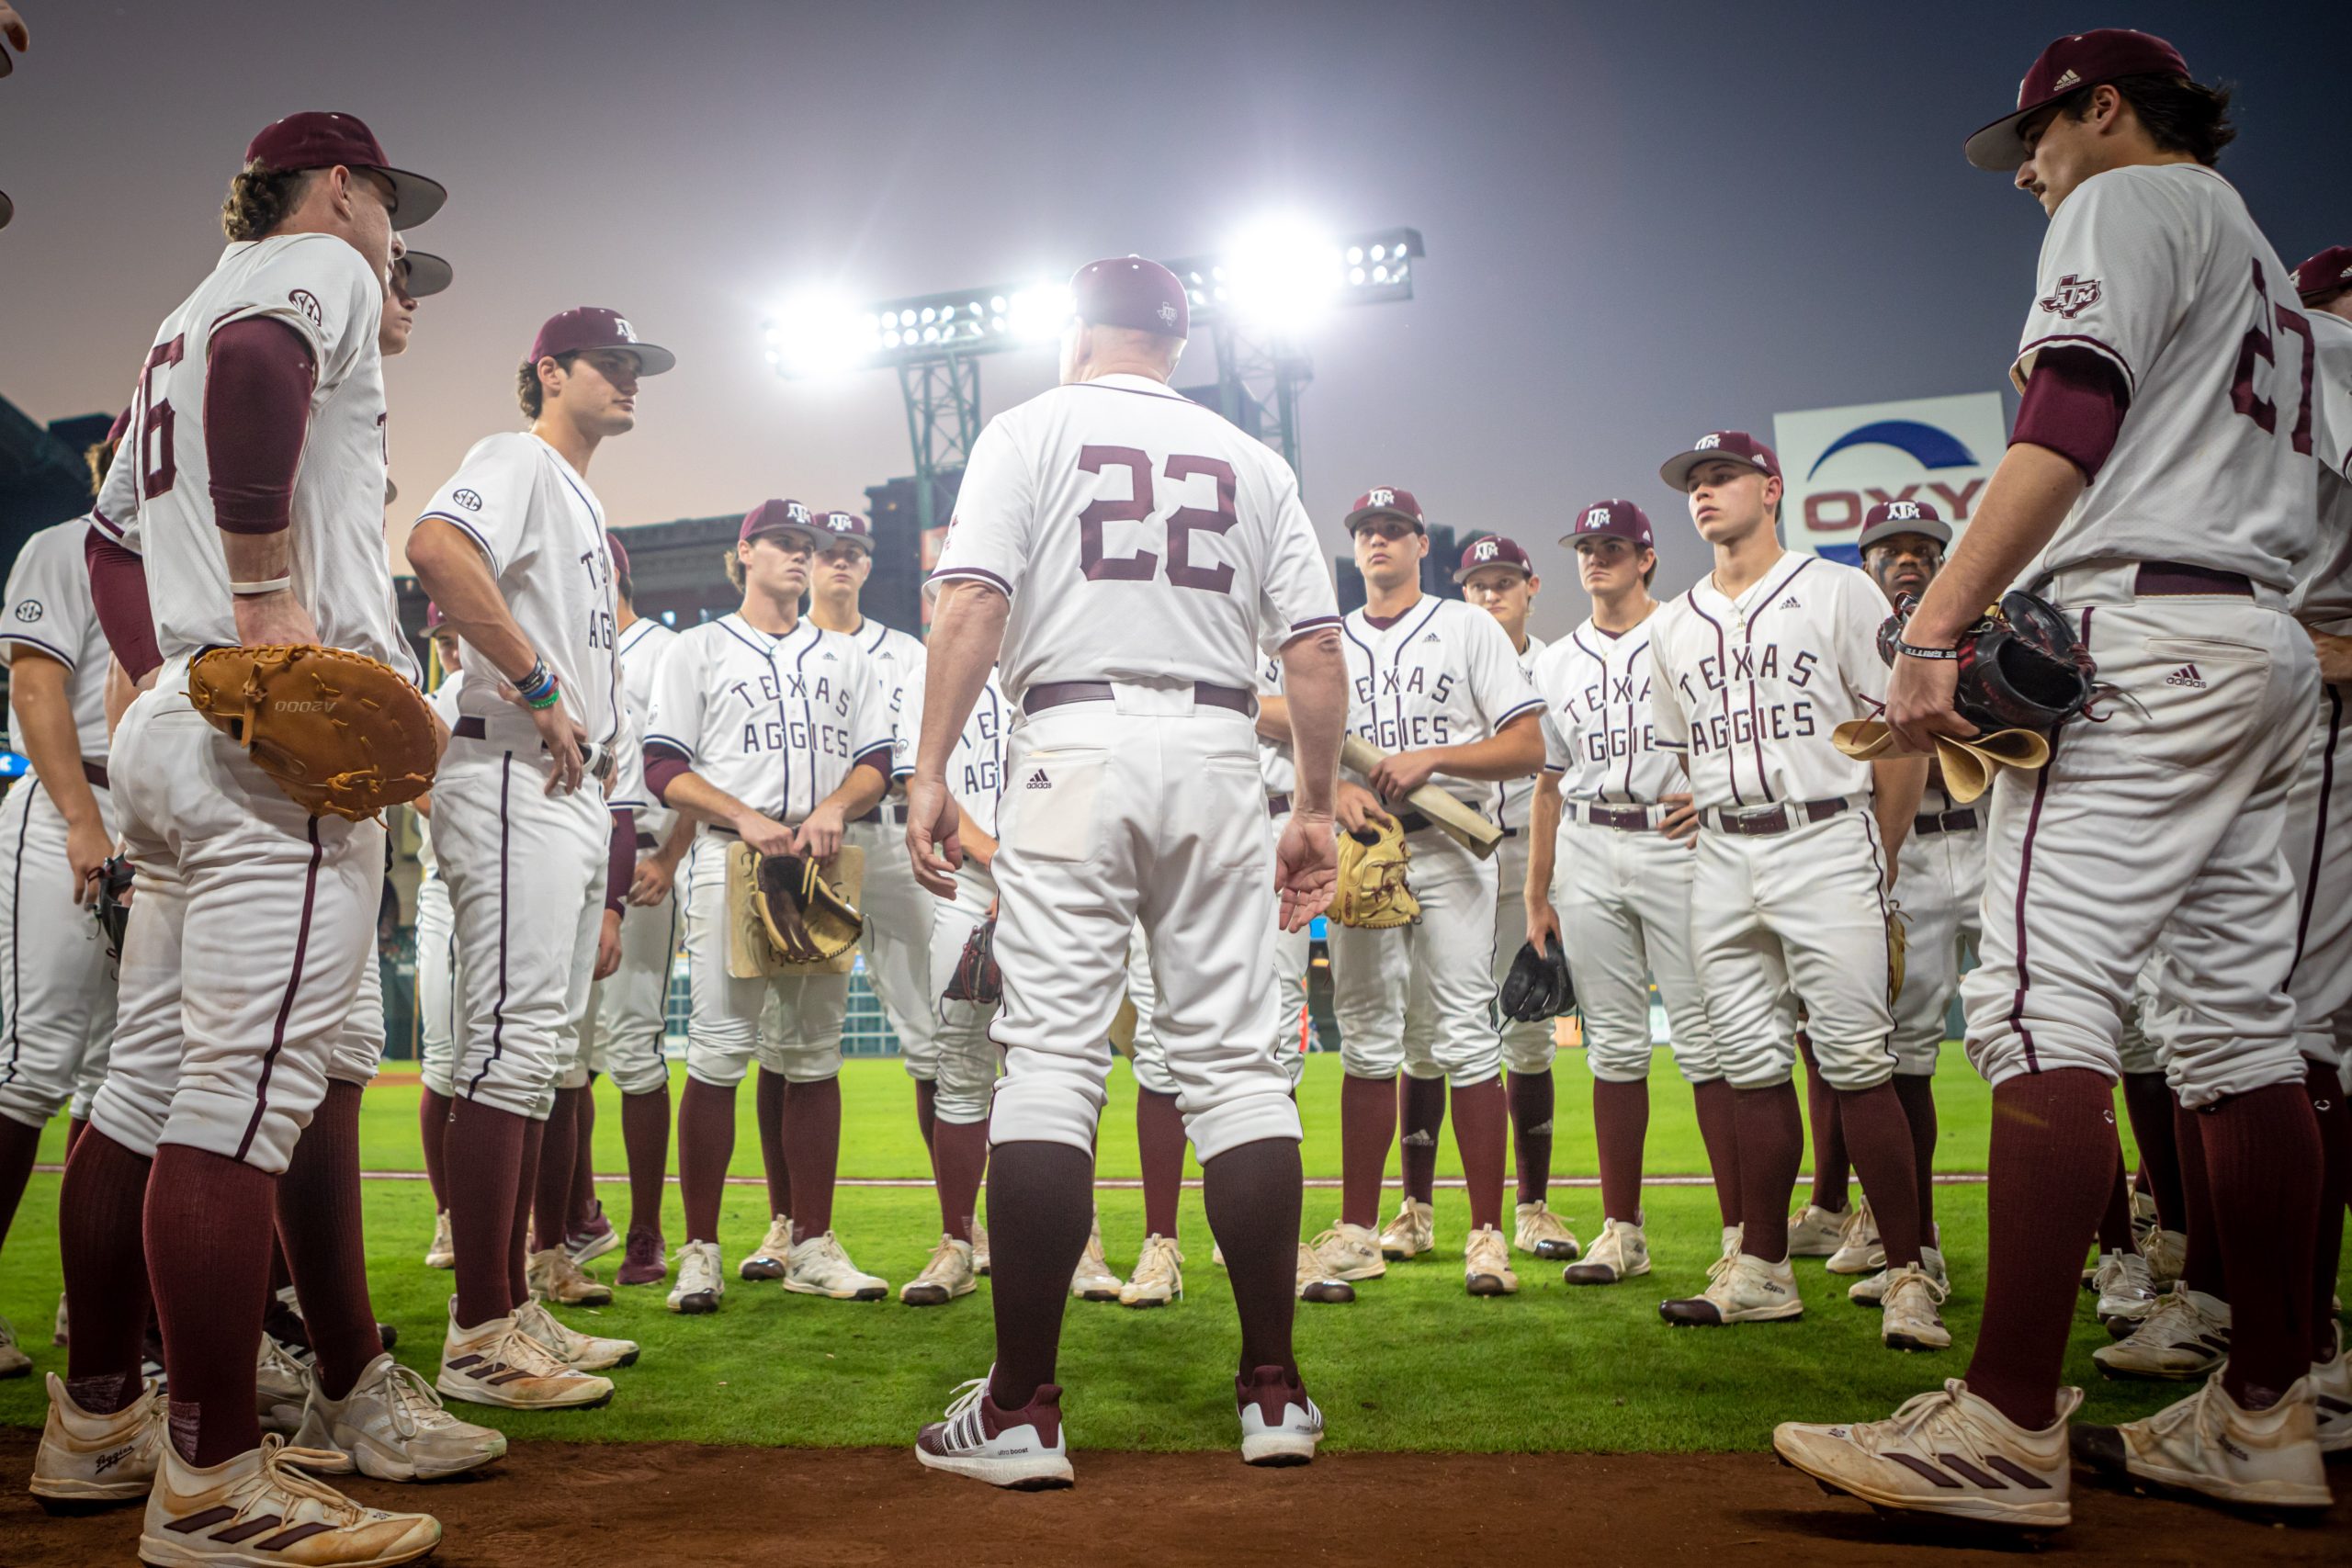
(260, 197)
(2181, 116)
(730, 560)
(528, 390)
(101, 456)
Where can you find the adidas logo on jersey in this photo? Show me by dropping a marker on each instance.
(1790, 603)
(1039, 781)
(830, 657)
(1433, 638)
(2185, 675)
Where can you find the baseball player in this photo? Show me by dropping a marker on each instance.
(2158, 487)
(1608, 877)
(438, 1016)
(255, 447)
(1496, 576)
(1132, 556)
(774, 730)
(1750, 671)
(512, 548)
(1436, 684)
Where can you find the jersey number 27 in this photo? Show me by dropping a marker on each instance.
(2257, 345)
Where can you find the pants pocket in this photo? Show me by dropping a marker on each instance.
(1054, 800)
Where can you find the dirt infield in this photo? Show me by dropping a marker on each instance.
(712, 1507)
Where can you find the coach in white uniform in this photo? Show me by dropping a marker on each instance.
(1131, 555)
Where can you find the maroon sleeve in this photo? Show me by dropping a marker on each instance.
(119, 588)
(620, 864)
(257, 386)
(664, 764)
(2074, 405)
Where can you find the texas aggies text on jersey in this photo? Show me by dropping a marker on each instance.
(1442, 674)
(1600, 735)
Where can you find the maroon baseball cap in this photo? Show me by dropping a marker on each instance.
(1128, 291)
(1736, 445)
(791, 518)
(318, 140)
(1889, 518)
(2069, 64)
(1611, 520)
(620, 552)
(846, 527)
(1386, 501)
(424, 274)
(2324, 274)
(7, 209)
(1492, 549)
(584, 328)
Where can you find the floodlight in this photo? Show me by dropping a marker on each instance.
(817, 333)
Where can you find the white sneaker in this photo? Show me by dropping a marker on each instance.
(1620, 1252)
(13, 1362)
(1411, 1233)
(1872, 1291)
(1092, 1280)
(2206, 1443)
(1948, 1452)
(979, 1249)
(1859, 1251)
(946, 1277)
(497, 1363)
(1486, 1264)
(768, 1260)
(1316, 1284)
(443, 1253)
(86, 1459)
(1348, 1252)
(2144, 1216)
(197, 1518)
(1733, 1235)
(1740, 1289)
(2186, 1336)
(2331, 1383)
(2127, 1292)
(2167, 1255)
(1540, 1233)
(1814, 1231)
(819, 1267)
(281, 1387)
(699, 1284)
(1280, 1425)
(553, 1276)
(1020, 1449)
(1158, 1277)
(1910, 1300)
(580, 1352)
(391, 1425)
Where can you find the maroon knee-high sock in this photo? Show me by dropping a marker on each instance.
(1253, 1195)
(485, 1154)
(1041, 1201)
(926, 1108)
(2264, 1167)
(1160, 1152)
(1878, 1134)
(769, 1109)
(2203, 1269)
(2147, 1099)
(813, 1144)
(19, 1147)
(1717, 1104)
(1620, 1122)
(706, 1142)
(1367, 1126)
(2051, 1166)
(645, 1134)
(101, 1237)
(1482, 1133)
(582, 1207)
(1420, 1109)
(2115, 1220)
(1832, 1164)
(1531, 1099)
(319, 1223)
(209, 1228)
(75, 1127)
(2335, 1120)
(559, 1156)
(1771, 1146)
(1918, 1092)
(526, 1184)
(959, 1152)
(433, 1132)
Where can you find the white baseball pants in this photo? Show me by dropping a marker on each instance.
(629, 1009)
(1939, 886)
(1292, 950)
(962, 1062)
(438, 1021)
(1624, 898)
(1420, 998)
(57, 984)
(897, 939)
(1527, 1047)
(2319, 852)
(791, 1023)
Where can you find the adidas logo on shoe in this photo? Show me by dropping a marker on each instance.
(1418, 1138)
(1039, 781)
(2185, 675)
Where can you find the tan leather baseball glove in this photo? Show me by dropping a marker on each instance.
(1373, 894)
(340, 733)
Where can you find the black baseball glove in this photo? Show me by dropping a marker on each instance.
(976, 978)
(2021, 667)
(114, 903)
(1538, 985)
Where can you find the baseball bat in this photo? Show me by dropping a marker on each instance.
(1453, 818)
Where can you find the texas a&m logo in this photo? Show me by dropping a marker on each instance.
(794, 509)
(1483, 550)
(1902, 511)
(2072, 297)
(627, 332)
(1381, 497)
(1706, 443)
(1598, 516)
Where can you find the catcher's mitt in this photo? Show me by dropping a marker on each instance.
(115, 878)
(976, 978)
(340, 733)
(1372, 894)
(807, 918)
(1538, 985)
(2021, 667)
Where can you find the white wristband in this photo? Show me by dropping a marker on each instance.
(267, 585)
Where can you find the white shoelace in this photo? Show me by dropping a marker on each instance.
(965, 1429)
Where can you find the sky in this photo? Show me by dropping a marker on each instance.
(1642, 223)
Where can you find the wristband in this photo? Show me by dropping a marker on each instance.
(266, 585)
(535, 684)
(553, 695)
(1906, 650)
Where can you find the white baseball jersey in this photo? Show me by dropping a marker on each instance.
(1098, 531)
(1443, 674)
(334, 301)
(777, 722)
(642, 647)
(2324, 596)
(2161, 270)
(1513, 798)
(49, 609)
(976, 767)
(1748, 689)
(896, 657)
(1274, 764)
(1598, 734)
(542, 531)
(443, 700)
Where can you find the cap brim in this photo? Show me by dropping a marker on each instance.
(1463, 574)
(816, 537)
(414, 197)
(427, 274)
(1356, 519)
(1941, 533)
(1676, 470)
(650, 360)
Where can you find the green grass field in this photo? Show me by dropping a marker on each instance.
(1414, 1364)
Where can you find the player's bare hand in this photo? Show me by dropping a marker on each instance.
(273, 620)
(13, 29)
(1542, 924)
(2335, 657)
(1681, 819)
(820, 836)
(565, 738)
(1306, 868)
(651, 883)
(608, 944)
(1920, 702)
(1400, 773)
(934, 834)
(86, 849)
(1356, 805)
(765, 834)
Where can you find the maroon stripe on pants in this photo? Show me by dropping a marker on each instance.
(2025, 877)
(293, 985)
(498, 1016)
(2319, 828)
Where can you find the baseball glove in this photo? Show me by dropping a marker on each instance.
(1372, 894)
(976, 979)
(1538, 985)
(1896, 944)
(115, 878)
(2021, 667)
(340, 733)
(806, 917)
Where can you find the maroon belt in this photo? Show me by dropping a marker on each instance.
(1778, 819)
(2172, 577)
(647, 841)
(1631, 818)
(1055, 694)
(1276, 805)
(470, 728)
(892, 812)
(94, 772)
(1961, 821)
